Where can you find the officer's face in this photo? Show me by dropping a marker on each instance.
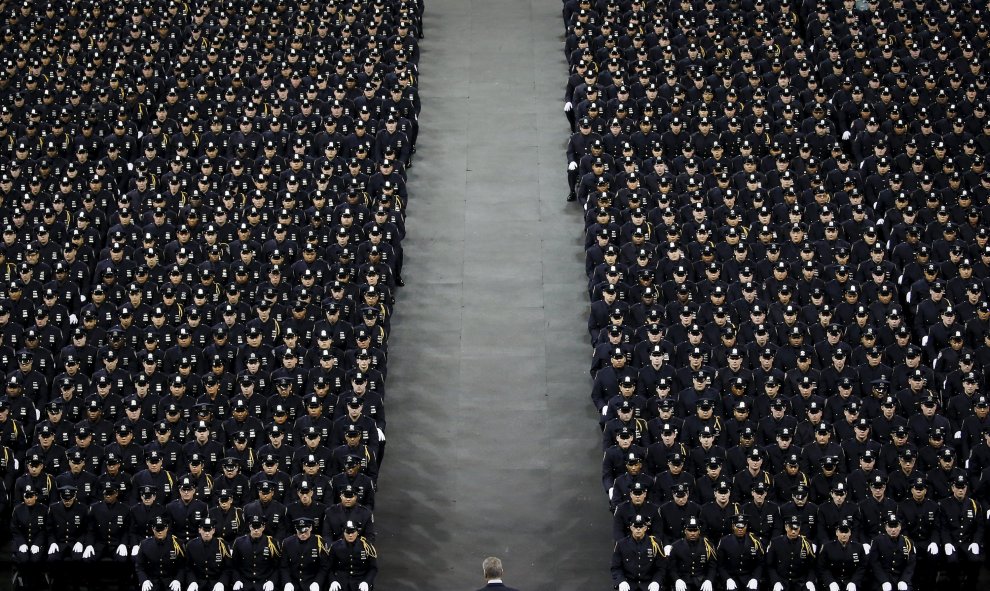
(843, 535)
(160, 533)
(207, 534)
(692, 534)
(638, 531)
(350, 536)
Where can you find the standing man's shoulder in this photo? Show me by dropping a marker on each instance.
(497, 586)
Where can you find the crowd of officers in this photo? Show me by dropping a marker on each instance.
(202, 206)
(786, 207)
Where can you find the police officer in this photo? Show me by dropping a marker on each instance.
(892, 557)
(70, 524)
(842, 564)
(921, 520)
(691, 563)
(739, 557)
(348, 510)
(110, 526)
(638, 560)
(961, 532)
(29, 526)
(353, 562)
(160, 559)
(305, 558)
(256, 559)
(791, 559)
(207, 560)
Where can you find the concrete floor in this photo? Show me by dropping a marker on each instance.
(493, 445)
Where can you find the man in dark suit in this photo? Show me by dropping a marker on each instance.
(493, 574)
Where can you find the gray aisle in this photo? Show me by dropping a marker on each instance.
(492, 441)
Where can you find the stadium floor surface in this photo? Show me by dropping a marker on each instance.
(492, 447)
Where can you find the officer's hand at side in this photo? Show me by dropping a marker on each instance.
(851, 587)
(268, 586)
(289, 587)
(730, 585)
(194, 586)
(175, 586)
(809, 586)
(134, 550)
(335, 586)
(902, 586)
(680, 585)
(654, 586)
(218, 587)
(666, 549)
(933, 549)
(752, 584)
(77, 547)
(706, 586)
(624, 586)
(568, 106)
(949, 549)
(89, 552)
(572, 166)
(833, 586)
(314, 587)
(122, 551)
(363, 587)
(866, 548)
(886, 587)
(778, 587)
(147, 586)
(238, 586)
(52, 549)
(974, 549)
(35, 549)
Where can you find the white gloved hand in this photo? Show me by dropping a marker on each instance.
(886, 587)
(988, 513)
(89, 552)
(866, 548)
(35, 549)
(335, 586)
(752, 584)
(680, 585)
(851, 587)
(933, 549)
(22, 548)
(833, 587)
(363, 587)
(314, 587)
(122, 551)
(175, 586)
(974, 549)
(610, 491)
(809, 586)
(624, 586)
(568, 106)
(218, 587)
(846, 135)
(778, 587)
(238, 586)
(666, 549)
(654, 586)
(289, 587)
(147, 586)
(52, 549)
(77, 547)
(194, 586)
(134, 550)
(730, 585)
(949, 549)
(73, 320)
(814, 547)
(706, 586)
(268, 586)
(958, 434)
(572, 166)
(902, 586)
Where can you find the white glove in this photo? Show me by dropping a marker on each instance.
(809, 586)
(624, 586)
(778, 587)
(886, 587)
(363, 587)
(902, 586)
(77, 548)
(988, 512)
(846, 135)
(568, 106)
(289, 587)
(949, 549)
(35, 549)
(730, 585)
(866, 548)
(752, 584)
(335, 586)
(654, 586)
(134, 550)
(958, 434)
(73, 320)
(680, 585)
(147, 586)
(130, 166)
(572, 166)
(933, 549)
(22, 548)
(974, 549)
(314, 587)
(666, 549)
(268, 586)
(89, 552)
(175, 586)
(218, 587)
(706, 586)
(814, 547)
(381, 435)
(193, 587)
(238, 586)
(52, 549)
(122, 551)
(833, 587)
(851, 587)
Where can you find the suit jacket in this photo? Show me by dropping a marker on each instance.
(497, 587)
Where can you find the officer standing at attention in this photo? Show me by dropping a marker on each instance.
(841, 563)
(207, 560)
(692, 559)
(739, 557)
(962, 530)
(638, 561)
(256, 559)
(305, 558)
(353, 562)
(791, 559)
(893, 557)
(160, 559)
